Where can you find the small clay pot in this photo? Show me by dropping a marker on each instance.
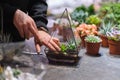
(92, 48)
(114, 47)
(104, 41)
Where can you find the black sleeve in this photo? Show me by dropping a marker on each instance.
(37, 10)
(10, 10)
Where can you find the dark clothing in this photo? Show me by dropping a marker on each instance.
(35, 8)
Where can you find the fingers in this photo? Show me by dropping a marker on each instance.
(33, 29)
(37, 46)
(25, 24)
(55, 45)
(56, 40)
(51, 44)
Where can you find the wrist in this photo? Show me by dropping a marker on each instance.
(42, 29)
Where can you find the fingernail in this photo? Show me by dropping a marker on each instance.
(59, 49)
(38, 52)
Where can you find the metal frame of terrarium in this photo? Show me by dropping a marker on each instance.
(60, 58)
(70, 26)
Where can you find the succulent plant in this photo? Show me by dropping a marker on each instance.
(85, 29)
(111, 12)
(114, 34)
(93, 19)
(68, 46)
(92, 39)
(105, 27)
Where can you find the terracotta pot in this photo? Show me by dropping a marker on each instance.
(104, 41)
(92, 48)
(114, 47)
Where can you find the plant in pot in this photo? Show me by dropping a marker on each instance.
(104, 28)
(94, 19)
(114, 40)
(111, 11)
(82, 12)
(92, 44)
(67, 56)
(68, 44)
(84, 30)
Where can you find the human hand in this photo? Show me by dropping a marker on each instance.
(50, 42)
(25, 24)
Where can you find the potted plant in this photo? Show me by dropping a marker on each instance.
(82, 12)
(84, 30)
(67, 56)
(110, 11)
(92, 44)
(114, 41)
(104, 28)
(94, 19)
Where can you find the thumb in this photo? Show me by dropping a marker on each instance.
(37, 46)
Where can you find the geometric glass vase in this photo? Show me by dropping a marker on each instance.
(69, 44)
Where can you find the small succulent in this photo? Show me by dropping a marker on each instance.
(93, 19)
(70, 45)
(92, 39)
(114, 34)
(105, 27)
(80, 14)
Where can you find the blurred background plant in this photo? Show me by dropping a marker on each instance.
(84, 30)
(82, 12)
(114, 34)
(93, 19)
(105, 27)
(110, 12)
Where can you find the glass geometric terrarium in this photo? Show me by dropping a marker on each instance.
(69, 44)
